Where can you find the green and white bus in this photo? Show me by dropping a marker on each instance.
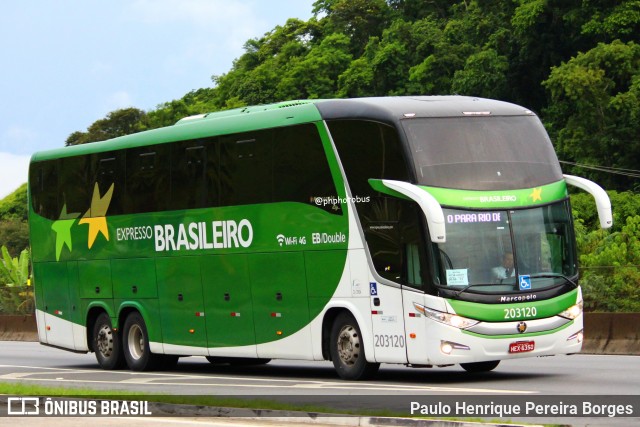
(361, 231)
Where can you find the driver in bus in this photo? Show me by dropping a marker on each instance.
(506, 269)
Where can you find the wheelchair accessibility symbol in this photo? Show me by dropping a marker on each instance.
(373, 287)
(525, 282)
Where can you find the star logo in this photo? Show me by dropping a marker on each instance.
(62, 228)
(96, 215)
(536, 194)
(522, 327)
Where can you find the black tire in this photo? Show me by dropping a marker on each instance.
(106, 344)
(480, 366)
(237, 361)
(347, 350)
(135, 343)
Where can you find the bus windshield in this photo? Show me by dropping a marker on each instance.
(490, 251)
(482, 153)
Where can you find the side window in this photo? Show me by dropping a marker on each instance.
(393, 227)
(43, 181)
(147, 179)
(246, 162)
(109, 170)
(299, 153)
(75, 185)
(194, 182)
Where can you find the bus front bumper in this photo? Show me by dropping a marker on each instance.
(460, 346)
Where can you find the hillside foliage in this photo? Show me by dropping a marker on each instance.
(575, 63)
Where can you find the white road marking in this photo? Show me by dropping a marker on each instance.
(169, 379)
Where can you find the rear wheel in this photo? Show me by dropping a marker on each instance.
(106, 344)
(135, 341)
(480, 366)
(347, 350)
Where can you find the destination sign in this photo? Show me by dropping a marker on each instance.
(470, 218)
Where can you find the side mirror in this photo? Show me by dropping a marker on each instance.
(603, 204)
(429, 205)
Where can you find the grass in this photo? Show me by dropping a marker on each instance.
(19, 389)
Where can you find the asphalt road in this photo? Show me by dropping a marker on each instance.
(317, 383)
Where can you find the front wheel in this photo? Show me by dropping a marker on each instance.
(135, 340)
(480, 366)
(106, 344)
(347, 350)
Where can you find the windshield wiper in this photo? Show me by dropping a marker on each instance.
(457, 293)
(552, 276)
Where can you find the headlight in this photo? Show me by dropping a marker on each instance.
(446, 318)
(572, 312)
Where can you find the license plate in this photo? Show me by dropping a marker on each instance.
(521, 346)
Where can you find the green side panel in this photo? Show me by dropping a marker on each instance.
(500, 199)
(55, 289)
(38, 285)
(181, 302)
(227, 298)
(134, 278)
(496, 312)
(95, 279)
(323, 271)
(279, 292)
(76, 313)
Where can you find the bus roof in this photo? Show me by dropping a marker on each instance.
(384, 109)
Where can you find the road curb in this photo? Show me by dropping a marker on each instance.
(311, 418)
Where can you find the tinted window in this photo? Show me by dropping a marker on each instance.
(194, 182)
(75, 187)
(43, 181)
(107, 170)
(393, 228)
(246, 168)
(368, 150)
(274, 165)
(148, 179)
(301, 171)
(482, 153)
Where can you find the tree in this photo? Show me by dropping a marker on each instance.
(484, 74)
(610, 273)
(595, 110)
(117, 123)
(14, 206)
(316, 76)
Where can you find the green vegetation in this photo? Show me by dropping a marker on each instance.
(575, 63)
(609, 259)
(19, 389)
(16, 296)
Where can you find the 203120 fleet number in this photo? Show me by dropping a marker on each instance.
(389, 341)
(520, 312)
